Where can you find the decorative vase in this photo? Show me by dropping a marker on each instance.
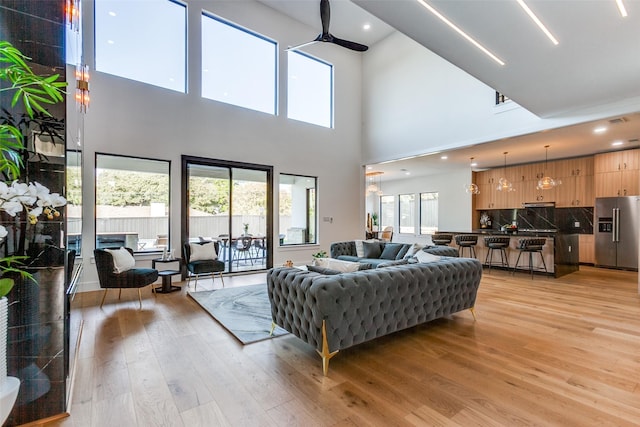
(9, 386)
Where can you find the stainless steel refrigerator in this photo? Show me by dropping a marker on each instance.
(616, 231)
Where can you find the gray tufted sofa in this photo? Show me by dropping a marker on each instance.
(333, 312)
(346, 251)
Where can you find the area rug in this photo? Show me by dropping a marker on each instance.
(244, 311)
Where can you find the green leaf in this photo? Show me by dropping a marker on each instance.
(6, 285)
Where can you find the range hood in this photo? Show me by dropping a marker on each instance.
(539, 205)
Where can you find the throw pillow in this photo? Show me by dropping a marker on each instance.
(413, 250)
(336, 264)
(359, 248)
(322, 270)
(423, 256)
(390, 251)
(205, 252)
(372, 249)
(122, 260)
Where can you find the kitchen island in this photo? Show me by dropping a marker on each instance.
(560, 251)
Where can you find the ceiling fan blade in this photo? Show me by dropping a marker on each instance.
(296, 47)
(349, 44)
(325, 16)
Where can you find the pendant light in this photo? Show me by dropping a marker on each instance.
(547, 183)
(503, 183)
(472, 188)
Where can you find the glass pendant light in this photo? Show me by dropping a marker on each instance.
(472, 188)
(503, 183)
(547, 183)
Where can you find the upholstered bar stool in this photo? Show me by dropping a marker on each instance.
(531, 246)
(497, 243)
(466, 241)
(441, 239)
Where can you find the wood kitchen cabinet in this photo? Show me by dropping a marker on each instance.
(617, 173)
(587, 251)
(577, 182)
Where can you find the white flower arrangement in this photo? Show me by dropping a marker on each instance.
(34, 198)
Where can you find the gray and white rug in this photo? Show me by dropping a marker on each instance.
(244, 311)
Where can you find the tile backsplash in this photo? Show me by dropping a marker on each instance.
(568, 220)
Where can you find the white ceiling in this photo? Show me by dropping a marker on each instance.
(596, 62)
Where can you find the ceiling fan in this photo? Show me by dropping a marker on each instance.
(326, 36)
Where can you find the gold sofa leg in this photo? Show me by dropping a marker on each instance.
(473, 313)
(325, 353)
(273, 328)
(140, 299)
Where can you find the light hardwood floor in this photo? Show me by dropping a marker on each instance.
(543, 352)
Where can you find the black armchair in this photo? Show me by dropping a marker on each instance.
(133, 278)
(203, 267)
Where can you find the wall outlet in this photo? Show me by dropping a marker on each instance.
(576, 224)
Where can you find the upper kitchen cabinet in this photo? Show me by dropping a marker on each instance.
(576, 189)
(617, 173)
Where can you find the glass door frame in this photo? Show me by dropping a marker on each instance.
(230, 165)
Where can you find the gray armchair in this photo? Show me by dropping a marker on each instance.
(133, 278)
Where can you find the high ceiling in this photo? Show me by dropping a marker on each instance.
(595, 63)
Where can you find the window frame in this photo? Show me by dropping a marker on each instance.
(437, 197)
(331, 91)
(185, 70)
(413, 226)
(276, 70)
(95, 199)
(381, 224)
(316, 236)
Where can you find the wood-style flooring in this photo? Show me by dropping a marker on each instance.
(563, 352)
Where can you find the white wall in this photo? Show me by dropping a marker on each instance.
(415, 102)
(130, 118)
(454, 204)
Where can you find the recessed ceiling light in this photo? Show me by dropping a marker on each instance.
(474, 164)
(621, 8)
(110, 42)
(538, 22)
(369, 167)
(616, 143)
(600, 129)
(459, 31)
(112, 13)
(407, 173)
(366, 27)
(444, 157)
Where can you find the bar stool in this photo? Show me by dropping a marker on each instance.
(466, 241)
(441, 239)
(500, 244)
(531, 246)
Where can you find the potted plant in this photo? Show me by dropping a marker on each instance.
(20, 202)
(317, 255)
(374, 221)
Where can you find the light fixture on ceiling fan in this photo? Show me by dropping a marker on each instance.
(503, 183)
(471, 188)
(546, 182)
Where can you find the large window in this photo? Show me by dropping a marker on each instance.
(238, 67)
(407, 208)
(298, 210)
(132, 203)
(153, 54)
(428, 213)
(387, 211)
(310, 90)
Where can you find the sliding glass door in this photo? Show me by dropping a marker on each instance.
(229, 202)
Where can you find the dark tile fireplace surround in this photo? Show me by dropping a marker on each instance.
(566, 220)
